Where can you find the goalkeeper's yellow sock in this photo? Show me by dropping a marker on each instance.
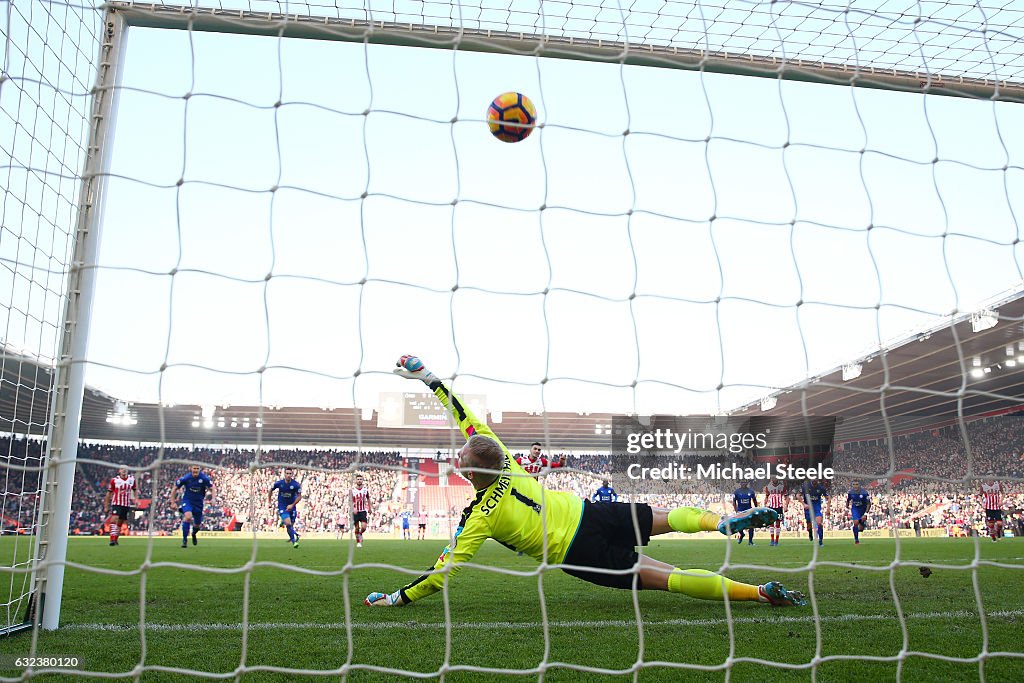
(705, 585)
(691, 520)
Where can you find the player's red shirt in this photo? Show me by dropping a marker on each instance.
(775, 495)
(360, 500)
(121, 490)
(992, 496)
(530, 465)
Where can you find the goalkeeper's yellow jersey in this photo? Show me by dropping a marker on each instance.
(515, 510)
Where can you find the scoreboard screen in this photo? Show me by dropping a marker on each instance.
(423, 410)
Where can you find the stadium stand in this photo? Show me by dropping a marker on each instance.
(910, 500)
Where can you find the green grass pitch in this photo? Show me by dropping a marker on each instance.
(297, 620)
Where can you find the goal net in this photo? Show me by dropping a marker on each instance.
(725, 209)
(48, 69)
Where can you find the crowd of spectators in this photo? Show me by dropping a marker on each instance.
(926, 479)
(922, 480)
(242, 480)
(992, 447)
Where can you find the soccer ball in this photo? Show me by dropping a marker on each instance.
(511, 117)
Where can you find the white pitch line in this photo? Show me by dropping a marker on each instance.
(385, 625)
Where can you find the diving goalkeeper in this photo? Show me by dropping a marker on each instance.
(512, 508)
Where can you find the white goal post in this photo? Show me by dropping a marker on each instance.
(69, 370)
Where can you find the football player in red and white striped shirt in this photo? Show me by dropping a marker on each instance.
(421, 525)
(120, 498)
(992, 500)
(533, 462)
(775, 498)
(360, 509)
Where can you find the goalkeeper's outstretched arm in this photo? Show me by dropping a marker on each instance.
(473, 529)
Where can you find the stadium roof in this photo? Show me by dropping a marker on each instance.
(928, 377)
(923, 379)
(25, 396)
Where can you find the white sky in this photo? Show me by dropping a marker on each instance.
(791, 224)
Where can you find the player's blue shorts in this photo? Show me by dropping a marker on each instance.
(813, 511)
(405, 524)
(195, 508)
(284, 514)
(856, 513)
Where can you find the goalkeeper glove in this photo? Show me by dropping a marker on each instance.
(412, 367)
(384, 600)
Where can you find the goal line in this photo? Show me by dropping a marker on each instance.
(521, 625)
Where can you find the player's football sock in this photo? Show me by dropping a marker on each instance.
(185, 526)
(856, 533)
(689, 520)
(705, 585)
(291, 533)
(821, 533)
